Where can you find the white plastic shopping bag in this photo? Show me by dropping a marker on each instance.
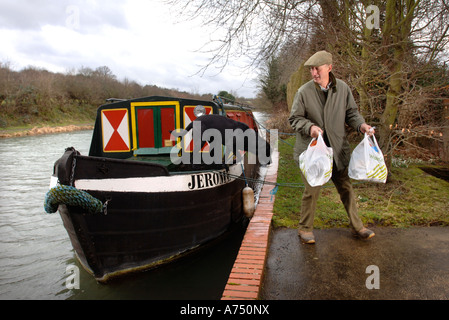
(367, 162)
(316, 162)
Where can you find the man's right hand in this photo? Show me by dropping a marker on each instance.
(315, 131)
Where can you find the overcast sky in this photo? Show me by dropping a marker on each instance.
(141, 40)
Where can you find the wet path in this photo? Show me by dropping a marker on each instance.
(404, 263)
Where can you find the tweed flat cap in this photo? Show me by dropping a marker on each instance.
(318, 59)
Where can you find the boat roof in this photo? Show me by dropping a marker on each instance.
(141, 127)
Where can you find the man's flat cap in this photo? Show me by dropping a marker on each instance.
(318, 59)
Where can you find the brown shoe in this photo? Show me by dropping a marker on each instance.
(364, 234)
(306, 237)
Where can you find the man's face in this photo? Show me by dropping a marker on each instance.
(320, 75)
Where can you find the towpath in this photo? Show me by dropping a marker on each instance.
(399, 264)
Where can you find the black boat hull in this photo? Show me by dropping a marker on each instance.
(143, 229)
(155, 208)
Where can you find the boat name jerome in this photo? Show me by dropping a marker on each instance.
(208, 179)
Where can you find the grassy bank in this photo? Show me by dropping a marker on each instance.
(413, 198)
(35, 97)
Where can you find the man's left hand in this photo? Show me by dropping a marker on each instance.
(366, 128)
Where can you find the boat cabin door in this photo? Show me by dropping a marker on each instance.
(152, 123)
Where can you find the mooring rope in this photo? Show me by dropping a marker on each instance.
(71, 196)
(280, 184)
(276, 184)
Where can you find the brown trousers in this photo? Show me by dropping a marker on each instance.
(310, 197)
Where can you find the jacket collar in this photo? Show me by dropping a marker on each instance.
(332, 84)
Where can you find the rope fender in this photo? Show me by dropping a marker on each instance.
(71, 196)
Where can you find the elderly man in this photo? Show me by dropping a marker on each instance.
(323, 105)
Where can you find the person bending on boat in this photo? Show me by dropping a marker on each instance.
(323, 106)
(232, 139)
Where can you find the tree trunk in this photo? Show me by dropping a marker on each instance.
(445, 155)
(397, 28)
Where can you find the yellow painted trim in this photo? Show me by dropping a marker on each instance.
(133, 128)
(152, 104)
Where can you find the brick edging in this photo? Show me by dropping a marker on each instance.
(246, 276)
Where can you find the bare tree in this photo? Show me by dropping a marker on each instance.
(255, 29)
(398, 69)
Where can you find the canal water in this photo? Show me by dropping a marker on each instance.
(35, 250)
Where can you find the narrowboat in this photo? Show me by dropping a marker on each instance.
(127, 206)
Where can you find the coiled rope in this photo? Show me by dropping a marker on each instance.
(71, 196)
